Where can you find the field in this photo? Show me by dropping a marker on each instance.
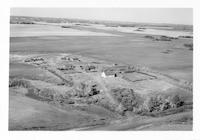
(56, 80)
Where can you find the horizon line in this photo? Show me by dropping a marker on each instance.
(101, 20)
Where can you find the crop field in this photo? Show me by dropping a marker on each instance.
(87, 76)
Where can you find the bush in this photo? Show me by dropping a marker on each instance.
(189, 46)
(154, 103)
(150, 37)
(163, 38)
(94, 90)
(176, 101)
(86, 90)
(66, 26)
(19, 83)
(47, 93)
(129, 100)
(186, 36)
(162, 103)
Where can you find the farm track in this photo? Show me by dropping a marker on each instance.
(67, 82)
(102, 84)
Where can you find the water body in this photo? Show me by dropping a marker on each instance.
(25, 30)
(149, 31)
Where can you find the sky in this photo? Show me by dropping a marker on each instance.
(147, 15)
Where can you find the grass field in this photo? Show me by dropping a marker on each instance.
(133, 49)
(169, 59)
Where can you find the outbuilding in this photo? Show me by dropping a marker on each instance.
(105, 74)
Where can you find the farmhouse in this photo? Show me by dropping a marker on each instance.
(116, 71)
(105, 74)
